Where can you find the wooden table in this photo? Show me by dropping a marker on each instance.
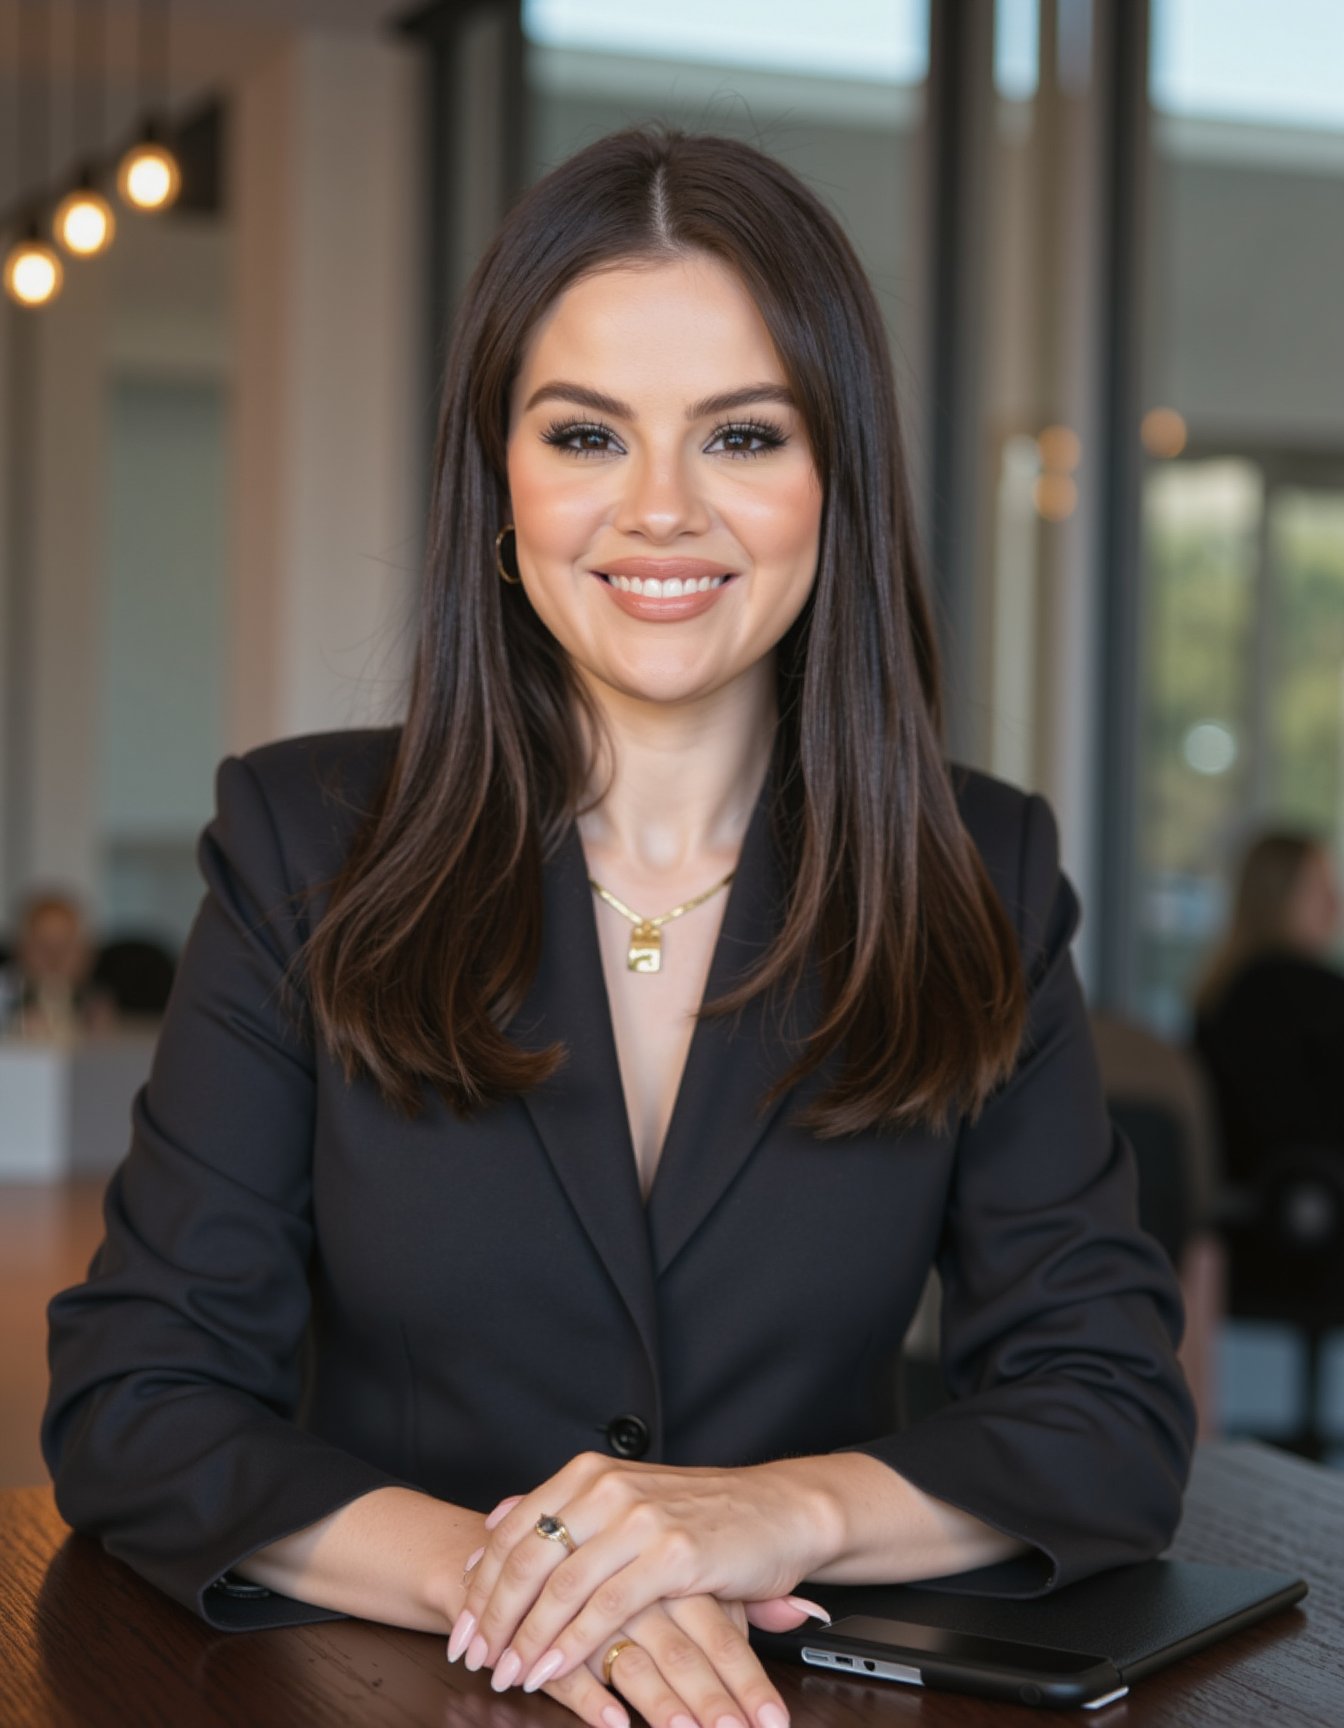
(85, 1644)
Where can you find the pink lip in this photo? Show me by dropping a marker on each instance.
(688, 569)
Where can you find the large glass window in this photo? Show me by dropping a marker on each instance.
(836, 92)
(1242, 665)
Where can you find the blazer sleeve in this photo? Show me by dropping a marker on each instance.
(176, 1369)
(1071, 1425)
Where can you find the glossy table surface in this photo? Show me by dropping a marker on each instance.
(84, 1642)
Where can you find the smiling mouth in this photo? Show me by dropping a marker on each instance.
(652, 587)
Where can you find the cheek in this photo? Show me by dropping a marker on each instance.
(552, 504)
(782, 526)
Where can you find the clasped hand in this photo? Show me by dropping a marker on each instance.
(674, 1560)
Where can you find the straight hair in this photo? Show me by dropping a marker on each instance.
(1267, 879)
(432, 933)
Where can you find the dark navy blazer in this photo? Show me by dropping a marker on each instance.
(303, 1296)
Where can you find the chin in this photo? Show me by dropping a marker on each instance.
(662, 686)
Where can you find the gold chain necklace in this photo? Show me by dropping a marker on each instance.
(645, 953)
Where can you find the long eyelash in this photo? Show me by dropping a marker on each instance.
(771, 436)
(561, 431)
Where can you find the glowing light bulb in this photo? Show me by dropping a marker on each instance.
(1061, 448)
(33, 273)
(84, 222)
(1054, 495)
(149, 177)
(1163, 432)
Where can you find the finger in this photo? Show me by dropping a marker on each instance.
(785, 1613)
(586, 1602)
(502, 1586)
(680, 1651)
(502, 1510)
(525, 1622)
(738, 1673)
(643, 1685)
(584, 1694)
(514, 1520)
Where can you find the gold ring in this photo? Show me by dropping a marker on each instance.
(609, 1660)
(553, 1530)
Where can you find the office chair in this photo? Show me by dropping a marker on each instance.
(136, 973)
(1285, 1237)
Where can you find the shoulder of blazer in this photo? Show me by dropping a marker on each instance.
(994, 814)
(318, 789)
(1017, 837)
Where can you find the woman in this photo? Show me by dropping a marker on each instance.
(1269, 1008)
(433, 1103)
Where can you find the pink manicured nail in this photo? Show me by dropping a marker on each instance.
(615, 1717)
(680, 1721)
(803, 1606)
(507, 1670)
(463, 1627)
(771, 1716)
(472, 1561)
(477, 1651)
(502, 1511)
(546, 1669)
(729, 1722)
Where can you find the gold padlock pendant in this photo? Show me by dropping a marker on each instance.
(646, 948)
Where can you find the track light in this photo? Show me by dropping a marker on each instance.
(84, 222)
(33, 270)
(148, 176)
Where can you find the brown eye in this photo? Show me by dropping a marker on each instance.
(748, 439)
(580, 438)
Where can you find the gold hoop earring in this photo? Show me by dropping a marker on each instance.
(508, 528)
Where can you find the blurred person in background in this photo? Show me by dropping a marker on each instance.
(1269, 1008)
(46, 990)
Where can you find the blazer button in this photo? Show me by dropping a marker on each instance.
(628, 1436)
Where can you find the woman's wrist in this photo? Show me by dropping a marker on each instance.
(861, 1522)
(443, 1585)
(808, 1505)
(394, 1555)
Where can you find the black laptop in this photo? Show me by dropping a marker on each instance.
(1080, 1647)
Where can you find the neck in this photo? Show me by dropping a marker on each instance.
(681, 781)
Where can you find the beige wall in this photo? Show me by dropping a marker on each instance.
(303, 304)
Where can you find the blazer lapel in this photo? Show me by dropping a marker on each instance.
(579, 1113)
(715, 1125)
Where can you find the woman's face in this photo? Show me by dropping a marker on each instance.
(653, 443)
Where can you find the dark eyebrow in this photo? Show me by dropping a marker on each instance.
(561, 391)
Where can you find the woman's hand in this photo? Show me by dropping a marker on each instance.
(686, 1659)
(642, 1533)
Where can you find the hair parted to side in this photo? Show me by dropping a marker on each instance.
(432, 934)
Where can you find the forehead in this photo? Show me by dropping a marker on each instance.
(681, 319)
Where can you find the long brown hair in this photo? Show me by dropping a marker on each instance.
(1267, 879)
(432, 934)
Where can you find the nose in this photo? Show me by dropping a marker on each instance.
(660, 497)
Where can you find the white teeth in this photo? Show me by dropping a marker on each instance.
(653, 587)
